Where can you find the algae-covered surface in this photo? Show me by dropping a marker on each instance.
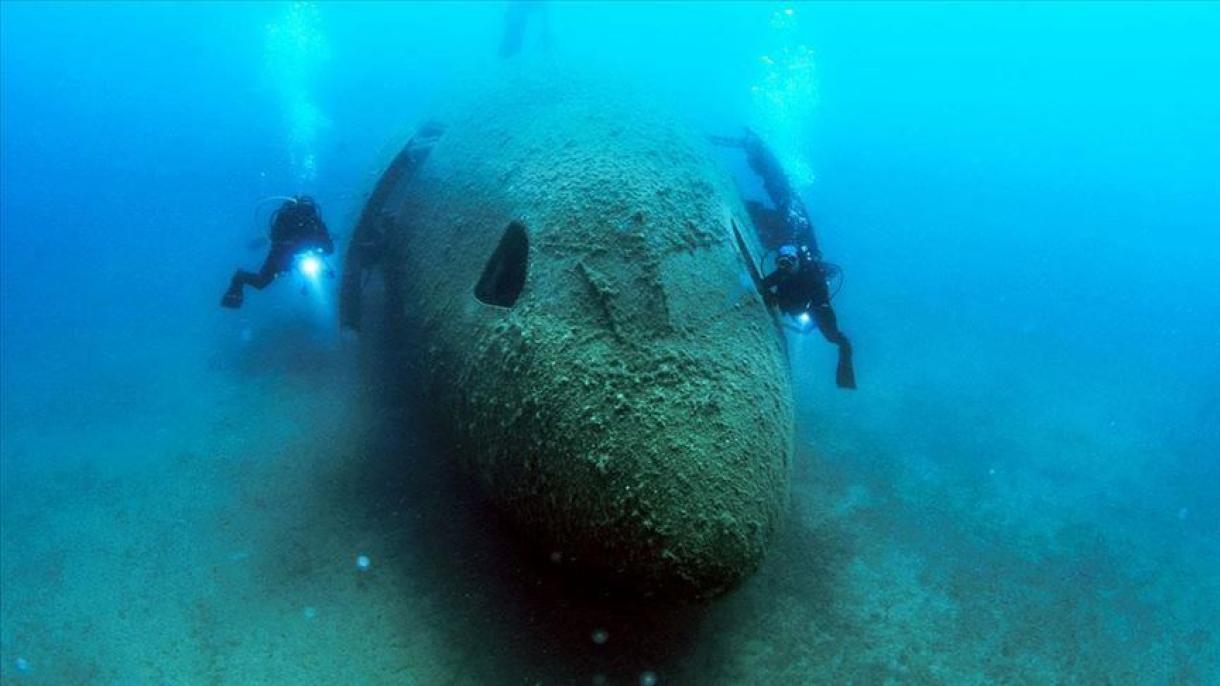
(631, 409)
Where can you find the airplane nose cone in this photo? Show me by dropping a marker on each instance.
(663, 468)
(573, 271)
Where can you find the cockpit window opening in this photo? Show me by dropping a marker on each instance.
(504, 274)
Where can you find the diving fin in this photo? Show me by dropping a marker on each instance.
(845, 373)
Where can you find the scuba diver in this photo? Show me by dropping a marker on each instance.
(297, 232)
(801, 290)
(517, 17)
(799, 286)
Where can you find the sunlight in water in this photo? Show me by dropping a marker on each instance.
(784, 94)
(296, 49)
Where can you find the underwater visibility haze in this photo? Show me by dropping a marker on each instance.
(521, 393)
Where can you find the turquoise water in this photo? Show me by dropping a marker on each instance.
(1023, 490)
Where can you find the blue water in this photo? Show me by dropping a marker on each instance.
(1025, 200)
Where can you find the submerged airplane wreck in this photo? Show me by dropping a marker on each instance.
(576, 275)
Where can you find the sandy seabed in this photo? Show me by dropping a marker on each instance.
(194, 516)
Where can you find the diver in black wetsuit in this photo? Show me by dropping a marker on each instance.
(517, 18)
(799, 284)
(296, 229)
(800, 288)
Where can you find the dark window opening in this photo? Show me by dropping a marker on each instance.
(504, 275)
